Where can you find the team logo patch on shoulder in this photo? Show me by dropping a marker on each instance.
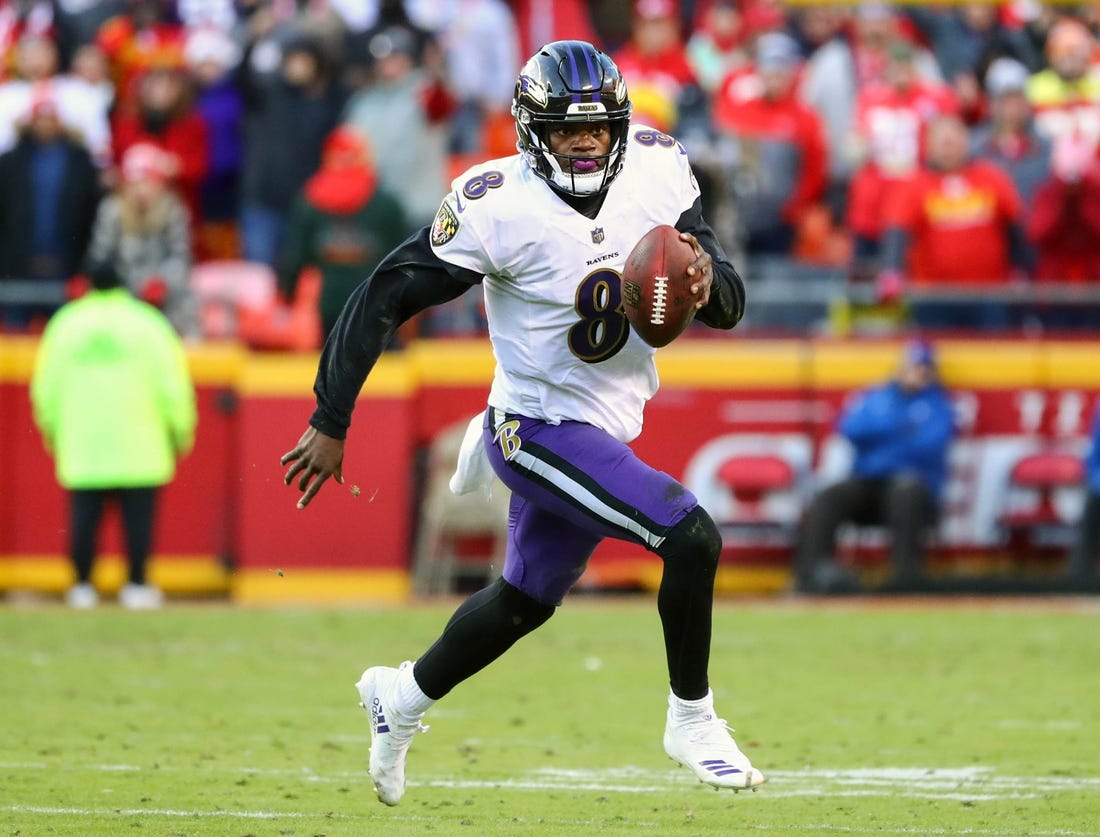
(445, 226)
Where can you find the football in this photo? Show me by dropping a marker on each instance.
(656, 289)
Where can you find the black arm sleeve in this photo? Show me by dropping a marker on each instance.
(408, 280)
(727, 291)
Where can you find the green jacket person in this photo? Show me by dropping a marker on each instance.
(114, 402)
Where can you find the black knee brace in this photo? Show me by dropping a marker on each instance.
(696, 536)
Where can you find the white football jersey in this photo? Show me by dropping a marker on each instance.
(563, 348)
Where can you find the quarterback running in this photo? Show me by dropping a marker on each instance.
(546, 233)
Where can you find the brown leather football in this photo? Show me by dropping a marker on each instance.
(657, 294)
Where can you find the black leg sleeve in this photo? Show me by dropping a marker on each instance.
(685, 601)
(485, 626)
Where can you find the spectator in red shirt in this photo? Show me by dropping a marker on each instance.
(655, 65)
(780, 145)
(957, 220)
(164, 116)
(889, 123)
(1064, 222)
(541, 22)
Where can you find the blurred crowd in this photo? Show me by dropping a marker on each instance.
(901, 145)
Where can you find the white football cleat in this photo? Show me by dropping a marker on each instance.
(701, 742)
(81, 596)
(391, 733)
(140, 597)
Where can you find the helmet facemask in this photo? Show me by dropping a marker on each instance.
(538, 150)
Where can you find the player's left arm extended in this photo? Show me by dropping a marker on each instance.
(409, 280)
(727, 291)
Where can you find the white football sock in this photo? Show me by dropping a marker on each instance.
(684, 709)
(411, 700)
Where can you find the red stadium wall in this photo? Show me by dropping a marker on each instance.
(229, 524)
(197, 519)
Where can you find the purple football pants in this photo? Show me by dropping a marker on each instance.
(572, 486)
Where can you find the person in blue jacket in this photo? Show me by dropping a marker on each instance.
(901, 432)
(1082, 562)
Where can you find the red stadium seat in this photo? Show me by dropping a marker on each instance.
(281, 327)
(1041, 474)
(1048, 470)
(750, 479)
(225, 288)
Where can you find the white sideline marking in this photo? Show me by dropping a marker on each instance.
(159, 812)
(1043, 725)
(272, 815)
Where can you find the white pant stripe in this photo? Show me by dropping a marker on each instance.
(574, 489)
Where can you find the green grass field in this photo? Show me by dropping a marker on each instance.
(895, 717)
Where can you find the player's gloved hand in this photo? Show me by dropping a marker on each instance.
(316, 457)
(889, 286)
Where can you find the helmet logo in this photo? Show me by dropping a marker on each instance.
(534, 90)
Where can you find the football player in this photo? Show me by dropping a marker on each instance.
(546, 234)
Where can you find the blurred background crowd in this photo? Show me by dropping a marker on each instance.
(245, 163)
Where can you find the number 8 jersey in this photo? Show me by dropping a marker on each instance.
(563, 348)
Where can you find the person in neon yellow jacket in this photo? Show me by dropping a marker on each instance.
(115, 404)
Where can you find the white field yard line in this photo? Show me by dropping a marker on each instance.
(159, 812)
(956, 783)
(385, 815)
(390, 816)
(978, 784)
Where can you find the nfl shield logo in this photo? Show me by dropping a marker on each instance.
(597, 235)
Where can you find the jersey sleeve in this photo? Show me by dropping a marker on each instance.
(689, 186)
(664, 161)
(461, 228)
